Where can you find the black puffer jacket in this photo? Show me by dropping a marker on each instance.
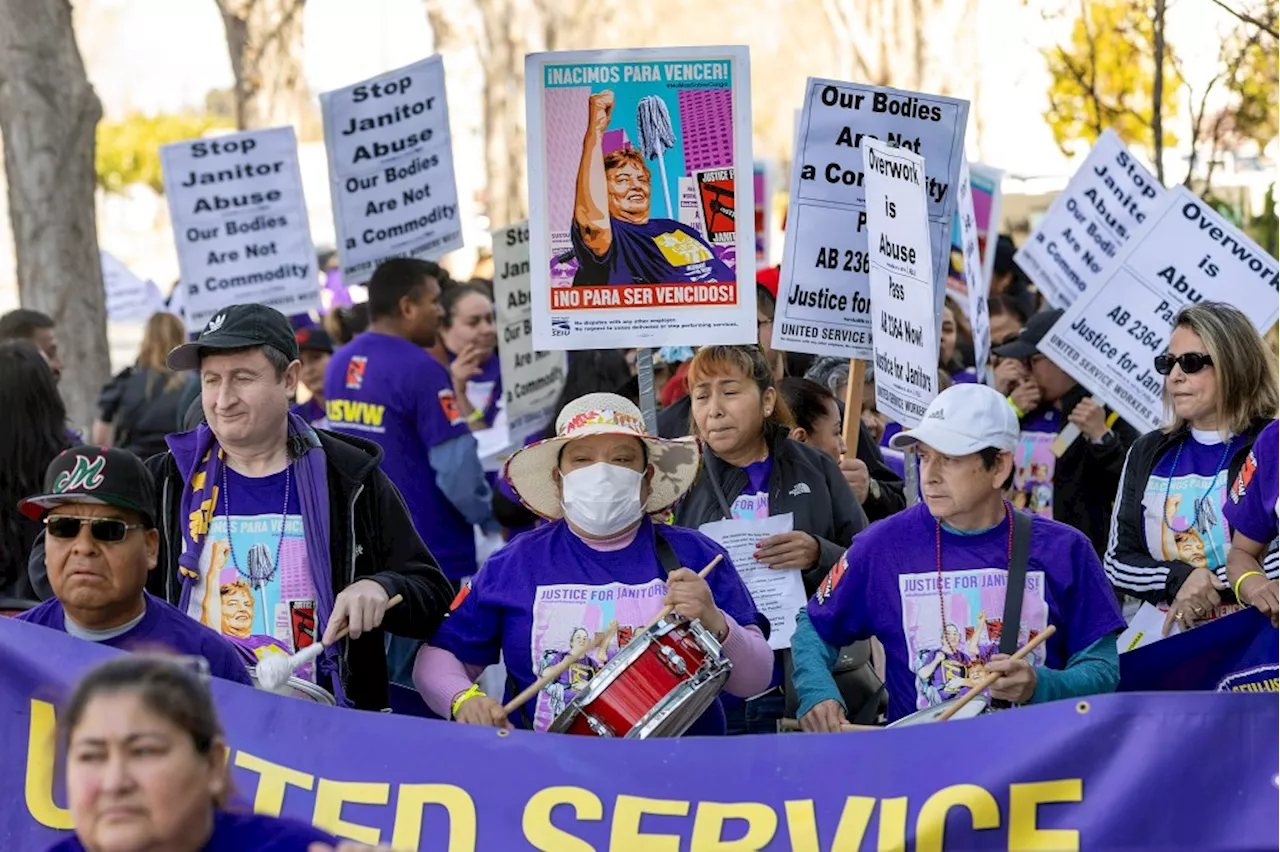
(1130, 566)
(804, 481)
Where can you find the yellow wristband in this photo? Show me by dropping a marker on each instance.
(472, 692)
(1016, 410)
(476, 415)
(1241, 579)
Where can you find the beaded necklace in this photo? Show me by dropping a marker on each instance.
(256, 577)
(942, 608)
(1195, 507)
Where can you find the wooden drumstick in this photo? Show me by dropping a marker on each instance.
(667, 610)
(994, 676)
(794, 725)
(558, 669)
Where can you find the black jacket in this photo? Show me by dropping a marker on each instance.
(142, 410)
(1085, 479)
(370, 537)
(1128, 560)
(804, 481)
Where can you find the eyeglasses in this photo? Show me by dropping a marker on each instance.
(1190, 362)
(109, 530)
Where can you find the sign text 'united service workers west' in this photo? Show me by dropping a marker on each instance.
(391, 168)
(824, 298)
(1078, 241)
(902, 282)
(1185, 254)
(240, 223)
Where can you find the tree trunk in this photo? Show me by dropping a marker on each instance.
(264, 38)
(48, 116)
(1157, 92)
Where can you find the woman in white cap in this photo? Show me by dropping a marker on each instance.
(930, 583)
(599, 560)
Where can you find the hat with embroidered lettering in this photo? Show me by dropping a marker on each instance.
(237, 327)
(1027, 343)
(964, 419)
(101, 475)
(675, 462)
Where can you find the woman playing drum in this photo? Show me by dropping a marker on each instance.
(552, 591)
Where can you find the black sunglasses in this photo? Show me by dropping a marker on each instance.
(1190, 362)
(102, 529)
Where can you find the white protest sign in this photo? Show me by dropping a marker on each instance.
(1185, 254)
(531, 381)
(977, 283)
(391, 168)
(620, 142)
(128, 297)
(902, 282)
(240, 223)
(778, 595)
(1106, 202)
(824, 304)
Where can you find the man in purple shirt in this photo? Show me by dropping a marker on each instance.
(614, 239)
(98, 510)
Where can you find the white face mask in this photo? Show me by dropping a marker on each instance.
(602, 499)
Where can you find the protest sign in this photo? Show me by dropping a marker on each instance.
(1235, 653)
(976, 280)
(391, 168)
(240, 223)
(986, 196)
(902, 282)
(128, 297)
(531, 380)
(638, 162)
(763, 176)
(1185, 253)
(778, 595)
(824, 299)
(1102, 207)
(363, 776)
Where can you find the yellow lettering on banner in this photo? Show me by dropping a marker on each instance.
(40, 757)
(854, 819)
(544, 836)
(1024, 799)
(332, 795)
(893, 825)
(625, 835)
(412, 800)
(802, 825)
(932, 822)
(709, 820)
(272, 781)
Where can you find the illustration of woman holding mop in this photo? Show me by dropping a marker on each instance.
(614, 238)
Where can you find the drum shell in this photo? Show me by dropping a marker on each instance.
(977, 706)
(296, 687)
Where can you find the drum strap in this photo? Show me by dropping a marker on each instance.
(1017, 585)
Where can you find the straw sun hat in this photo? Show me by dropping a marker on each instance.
(675, 463)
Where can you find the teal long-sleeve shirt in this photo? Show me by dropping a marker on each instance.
(1092, 671)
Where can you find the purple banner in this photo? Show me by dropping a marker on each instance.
(1094, 775)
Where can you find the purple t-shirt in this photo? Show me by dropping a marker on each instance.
(235, 832)
(661, 251)
(1252, 507)
(546, 592)
(1034, 463)
(312, 412)
(753, 502)
(388, 390)
(937, 642)
(162, 626)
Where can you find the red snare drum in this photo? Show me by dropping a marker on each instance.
(656, 686)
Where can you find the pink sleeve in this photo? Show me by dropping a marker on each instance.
(439, 676)
(752, 660)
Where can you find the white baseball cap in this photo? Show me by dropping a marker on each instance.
(964, 419)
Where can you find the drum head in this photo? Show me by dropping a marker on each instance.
(976, 707)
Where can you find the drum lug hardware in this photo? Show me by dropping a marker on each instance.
(600, 729)
(674, 661)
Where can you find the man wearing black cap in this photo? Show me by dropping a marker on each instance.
(277, 534)
(315, 347)
(1071, 451)
(98, 509)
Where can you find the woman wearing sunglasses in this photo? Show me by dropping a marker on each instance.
(1169, 541)
(100, 542)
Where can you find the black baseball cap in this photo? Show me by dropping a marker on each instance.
(238, 327)
(102, 475)
(315, 338)
(1027, 342)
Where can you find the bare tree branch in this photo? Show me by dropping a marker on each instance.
(1265, 26)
